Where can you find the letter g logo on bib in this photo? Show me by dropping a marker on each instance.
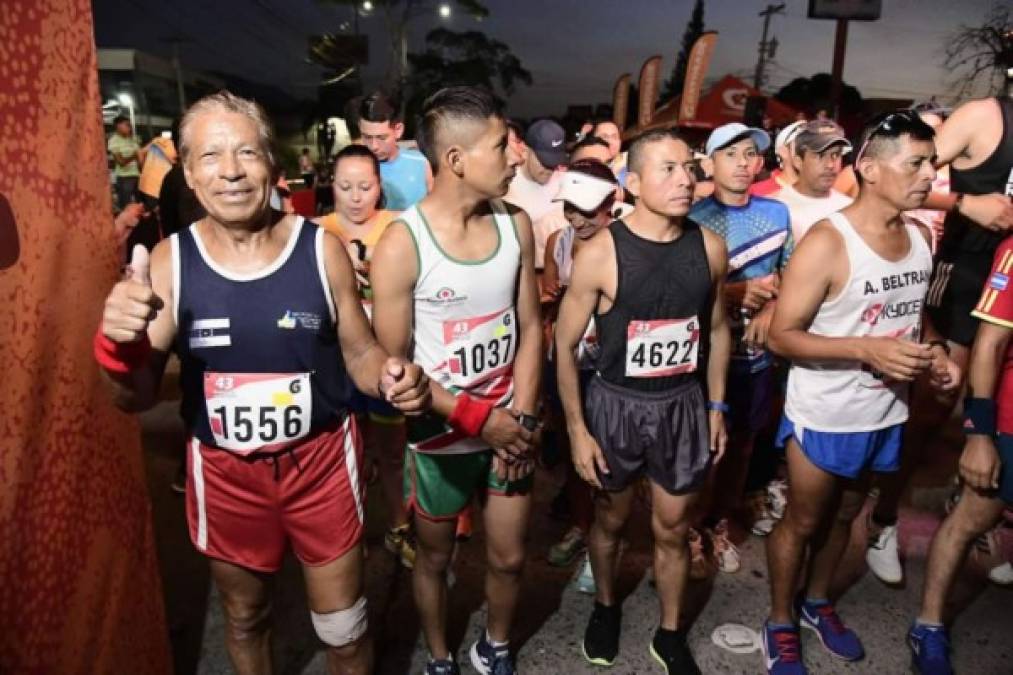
(662, 347)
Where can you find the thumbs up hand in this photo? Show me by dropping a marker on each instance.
(132, 304)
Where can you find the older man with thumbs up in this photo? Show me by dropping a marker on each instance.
(262, 309)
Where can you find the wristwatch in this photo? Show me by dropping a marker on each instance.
(529, 422)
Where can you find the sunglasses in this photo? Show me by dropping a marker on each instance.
(887, 124)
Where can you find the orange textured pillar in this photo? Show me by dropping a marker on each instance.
(79, 585)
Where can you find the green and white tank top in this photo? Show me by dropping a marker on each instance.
(464, 325)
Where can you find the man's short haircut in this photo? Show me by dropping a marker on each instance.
(377, 107)
(589, 141)
(879, 138)
(447, 109)
(635, 157)
(226, 101)
(120, 118)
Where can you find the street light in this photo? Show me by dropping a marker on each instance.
(367, 6)
(128, 101)
(445, 11)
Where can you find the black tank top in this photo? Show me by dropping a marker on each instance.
(261, 362)
(995, 174)
(652, 337)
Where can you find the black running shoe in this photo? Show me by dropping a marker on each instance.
(601, 639)
(669, 648)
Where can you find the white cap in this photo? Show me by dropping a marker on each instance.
(583, 191)
(727, 133)
(788, 134)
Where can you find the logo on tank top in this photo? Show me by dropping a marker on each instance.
(291, 320)
(210, 333)
(445, 297)
(877, 311)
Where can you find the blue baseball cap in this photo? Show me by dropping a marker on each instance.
(727, 134)
(548, 141)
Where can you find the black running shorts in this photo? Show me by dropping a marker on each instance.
(664, 434)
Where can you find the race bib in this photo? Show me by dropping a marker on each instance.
(480, 347)
(257, 411)
(662, 347)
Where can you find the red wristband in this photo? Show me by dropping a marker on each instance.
(469, 415)
(118, 357)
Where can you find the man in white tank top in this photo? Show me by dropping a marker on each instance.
(849, 317)
(454, 287)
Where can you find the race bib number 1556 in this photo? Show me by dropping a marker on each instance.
(257, 411)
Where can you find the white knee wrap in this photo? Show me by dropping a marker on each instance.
(342, 627)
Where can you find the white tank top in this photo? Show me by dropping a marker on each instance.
(465, 323)
(881, 299)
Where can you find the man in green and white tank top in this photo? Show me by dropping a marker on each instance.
(454, 289)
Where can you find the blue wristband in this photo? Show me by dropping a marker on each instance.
(979, 416)
(719, 406)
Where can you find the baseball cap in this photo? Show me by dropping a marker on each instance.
(583, 190)
(727, 133)
(788, 134)
(548, 141)
(818, 135)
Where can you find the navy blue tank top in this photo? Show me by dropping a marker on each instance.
(653, 337)
(261, 363)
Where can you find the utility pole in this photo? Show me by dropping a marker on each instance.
(177, 68)
(767, 47)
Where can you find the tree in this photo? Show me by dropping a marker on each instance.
(811, 94)
(982, 53)
(398, 16)
(465, 58)
(694, 29)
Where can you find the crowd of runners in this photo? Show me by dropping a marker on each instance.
(732, 333)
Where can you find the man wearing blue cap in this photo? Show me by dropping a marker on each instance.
(755, 230)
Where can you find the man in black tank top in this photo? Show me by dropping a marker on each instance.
(977, 142)
(653, 284)
(265, 473)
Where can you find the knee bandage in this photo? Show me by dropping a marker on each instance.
(342, 627)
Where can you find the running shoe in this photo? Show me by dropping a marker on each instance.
(1001, 575)
(725, 552)
(491, 660)
(781, 654)
(601, 638)
(669, 648)
(442, 667)
(777, 492)
(930, 649)
(566, 550)
(882, 555)
(585, 579)
(760, 515)
(698, 568)
(821, 618)
(401, 542)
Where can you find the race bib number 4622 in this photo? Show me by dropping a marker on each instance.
(479, 347)
(662, 347)
(257, 411)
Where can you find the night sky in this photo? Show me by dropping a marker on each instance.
(574, 48)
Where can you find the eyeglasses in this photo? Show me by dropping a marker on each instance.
(886, 124)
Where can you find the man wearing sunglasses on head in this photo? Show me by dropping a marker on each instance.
(849, 317)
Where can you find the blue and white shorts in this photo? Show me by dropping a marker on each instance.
(846, 453)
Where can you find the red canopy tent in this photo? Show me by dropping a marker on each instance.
(724, 103)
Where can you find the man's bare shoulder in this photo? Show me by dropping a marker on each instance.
(821, 239)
